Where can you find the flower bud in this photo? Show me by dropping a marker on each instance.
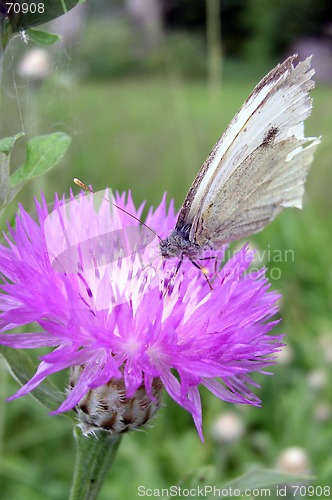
(35, 66)
(228, 428)
(317, 379)
(293, 460)
(107, 407)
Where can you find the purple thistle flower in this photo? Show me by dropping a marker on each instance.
(122, 322)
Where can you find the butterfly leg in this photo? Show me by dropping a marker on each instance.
(168, 286)
(204, 272)
(216, 266)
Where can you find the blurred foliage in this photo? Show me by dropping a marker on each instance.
(254, 30)
(275, 25)
(255, 27)
(182, 50)
(105, 52)
(191, 16)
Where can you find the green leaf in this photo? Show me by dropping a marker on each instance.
(6, 146)
(42, 154)
(201, 477)
(42, 38)
(259, 479)
(22, 368)
(45, 11)
(7, 143)
(267, 482)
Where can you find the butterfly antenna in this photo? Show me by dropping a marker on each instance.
(88, 188)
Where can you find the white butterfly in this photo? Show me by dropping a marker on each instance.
(257, 167)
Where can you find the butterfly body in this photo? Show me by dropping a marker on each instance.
(178, 244)
(257, 167)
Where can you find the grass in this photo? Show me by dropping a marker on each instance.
(151, 136)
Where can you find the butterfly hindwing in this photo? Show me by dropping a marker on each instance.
(262, 185)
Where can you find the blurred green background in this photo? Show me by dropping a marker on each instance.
(144, 97)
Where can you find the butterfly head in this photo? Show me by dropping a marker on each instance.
(177, 244)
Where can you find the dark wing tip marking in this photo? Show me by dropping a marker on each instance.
(274, 74)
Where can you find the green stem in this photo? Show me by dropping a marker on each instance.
(214, 46)
(64, 6)
(94, 457)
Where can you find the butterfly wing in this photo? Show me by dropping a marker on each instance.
(256, 192)
(260, 163)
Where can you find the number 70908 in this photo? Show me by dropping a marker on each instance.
(25, 8)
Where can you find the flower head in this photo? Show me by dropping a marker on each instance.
(118, 316)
